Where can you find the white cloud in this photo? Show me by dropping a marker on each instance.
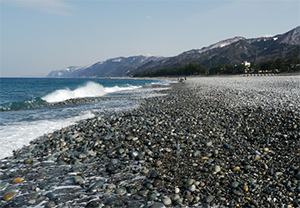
(57, 7)
(148, 17)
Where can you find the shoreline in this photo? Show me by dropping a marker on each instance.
(200, 145)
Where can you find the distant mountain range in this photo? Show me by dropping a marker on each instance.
(114, 67)
(231, 51)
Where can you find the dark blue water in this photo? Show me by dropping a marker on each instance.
(25, 113)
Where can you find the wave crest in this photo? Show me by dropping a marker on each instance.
(91, 89)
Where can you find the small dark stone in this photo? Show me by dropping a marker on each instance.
(50, 204)
(209, 198)
(157, 183)
(157, 205)
(234, 184)
(114, 202)
(93, 204)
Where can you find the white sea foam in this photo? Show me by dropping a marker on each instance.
(21, 133)
(91, 89)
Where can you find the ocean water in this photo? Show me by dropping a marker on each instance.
(26, 113)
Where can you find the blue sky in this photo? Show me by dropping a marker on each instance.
(38, 36)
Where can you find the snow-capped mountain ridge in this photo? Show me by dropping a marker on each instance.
(221, 44)
(230, 51)
(113, 67)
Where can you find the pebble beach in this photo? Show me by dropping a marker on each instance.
(207, 142)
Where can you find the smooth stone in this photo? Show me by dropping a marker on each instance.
(209, 144)
(82, 156)
(134, 154)
(247, 168)
(237, 192)
(192, 188)
(28, 161)
(209, 199)
(190, 181)
(236, 168)
(149, 186)
(120, 191)
(121, 151)
(265, 166)
(114, 161)
(96, 186)
(157, 183)
(8, 196)
(257, 157)
(134, 205)
(196, 153)
(33, 195)
(78, 180)
(18, 180)
(234, 184)
(93, 204)
(47, 163)
(189, 198)
(91, 153)
(177, 190)
(114, 202)
(31, 201)
(246, 188)
(143, 193)
(111, 186)
(217, 168)
(176, 197)
(152, 197)
(158, 163)
(226, 146)
(157, 205)
(50, 204)
(167, 201)
(140, 156)
(277, 174)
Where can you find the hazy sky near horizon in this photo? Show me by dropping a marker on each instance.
(38, 36)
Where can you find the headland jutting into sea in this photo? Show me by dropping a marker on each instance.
(209, 142)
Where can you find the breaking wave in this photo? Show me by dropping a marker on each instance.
(91, 89)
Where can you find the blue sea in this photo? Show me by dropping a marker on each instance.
(25, 113)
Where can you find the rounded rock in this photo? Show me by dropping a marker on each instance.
(28, 161)
(209, 144)
(234, 184)
(120, 191)
(8, 196)
(217, 168)
(157, 205)
(209, 198)
(236, 168)
(190, 181)
(78, 180)
(192, 188)
(167, 201)
(50, 204)
(18, 180)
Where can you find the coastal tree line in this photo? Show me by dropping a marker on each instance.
(271, 66)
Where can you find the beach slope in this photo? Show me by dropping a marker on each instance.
(213, 142)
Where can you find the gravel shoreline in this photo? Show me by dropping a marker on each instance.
(209, 142)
